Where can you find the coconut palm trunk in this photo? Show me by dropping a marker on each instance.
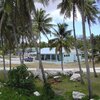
(13, 17)
(62, 59)
(75, 43)
(91, 42)
(40, 60)
(10, 59)
(22, 50)
(85, 52)
(1, 22)
(4, 66)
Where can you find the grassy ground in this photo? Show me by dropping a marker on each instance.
(67, 86)
(63, 89)
(54, 65)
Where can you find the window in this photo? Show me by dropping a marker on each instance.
(67, 55)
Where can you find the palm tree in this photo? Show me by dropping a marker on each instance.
(91, 12)
(20, 9)
(85, 49)
(66, 7)
(3, 54)
(81, 7)
(2, 18)
(41, 20)
(63, 40)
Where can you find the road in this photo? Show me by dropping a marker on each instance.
(59, 69)
(17, 61)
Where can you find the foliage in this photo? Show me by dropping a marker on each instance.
(21, 78)
(80, 44)
(96, 46)
(62, 89)
(42, 23)
(48, 92)
(43, 44)
(96, 42)
(62, 38)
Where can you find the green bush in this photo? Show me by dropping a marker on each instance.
(48, 92)
(21, 78)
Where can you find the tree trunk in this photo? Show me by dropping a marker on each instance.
(4, 66)
(10, 59)
(75, 43)
(38, 51)
(22, 50)
(85, 52)
(14, 28)
(61, 59)
(91, 42)
(20, 58)
(1, 22)
(2, 43)
(40, 61)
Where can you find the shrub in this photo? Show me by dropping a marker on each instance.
(48, 92)
(21, 78)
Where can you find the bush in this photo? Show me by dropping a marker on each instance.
(48, 92)
(21, 78)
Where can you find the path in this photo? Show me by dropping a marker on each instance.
(59, 69)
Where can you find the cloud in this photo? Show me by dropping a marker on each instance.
(55, 13)
(57, 17)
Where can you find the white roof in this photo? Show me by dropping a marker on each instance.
(48, 51)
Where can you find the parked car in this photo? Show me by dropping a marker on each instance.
(29, 59)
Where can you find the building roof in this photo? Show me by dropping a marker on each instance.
(48, 51)
(53, 51)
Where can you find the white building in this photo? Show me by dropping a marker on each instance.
(51, 55)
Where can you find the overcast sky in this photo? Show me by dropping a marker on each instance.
(57, 18)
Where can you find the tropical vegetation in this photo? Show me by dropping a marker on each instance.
(21, 25)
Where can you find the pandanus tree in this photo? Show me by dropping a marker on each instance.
(42, 22)
(67, 6)
(63, 39)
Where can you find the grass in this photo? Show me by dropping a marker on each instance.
(67, 86)
(63, 89)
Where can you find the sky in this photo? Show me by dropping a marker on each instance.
(58, 18)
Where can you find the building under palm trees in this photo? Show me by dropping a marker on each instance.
(48, 54)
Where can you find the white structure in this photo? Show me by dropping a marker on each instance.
(51, 55)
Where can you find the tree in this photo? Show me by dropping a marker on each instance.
(96, 45)
(85, 49)
(2, 20)
(66, 7)
(91, 12)
(81, 7)
(63, 40)
(41, 20)
(20, 13)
